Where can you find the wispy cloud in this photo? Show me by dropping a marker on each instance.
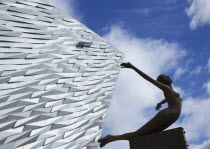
(199, 12)
(149, 10)
(179, 72)
(196, 119)
(207, 86)
(197, 70)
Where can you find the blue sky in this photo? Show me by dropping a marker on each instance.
(157, 36)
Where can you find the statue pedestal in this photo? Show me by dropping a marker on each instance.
(169, 139)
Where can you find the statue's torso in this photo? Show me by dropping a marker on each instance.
(174, 103)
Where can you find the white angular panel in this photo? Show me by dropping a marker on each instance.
(57, 78)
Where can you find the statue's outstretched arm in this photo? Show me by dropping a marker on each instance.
(156, 83)
(163, 101)
(159, 104)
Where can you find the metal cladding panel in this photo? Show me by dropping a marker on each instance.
(57, 78)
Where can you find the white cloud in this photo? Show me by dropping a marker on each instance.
(180, 71)
(207, 85)
(196, 121)
(146, 53)
(133, 94)
(68, 6)
(199, 11)
(197, 70)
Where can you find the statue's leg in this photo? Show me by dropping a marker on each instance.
(161, 121)
(125, 136)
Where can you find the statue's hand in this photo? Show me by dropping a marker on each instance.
(126, 65)
(158, 106)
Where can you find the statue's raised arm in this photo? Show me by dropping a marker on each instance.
(160, 85)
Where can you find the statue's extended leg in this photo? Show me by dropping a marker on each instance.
(125, 136)
(161, 121)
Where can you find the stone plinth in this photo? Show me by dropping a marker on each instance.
(169, 139)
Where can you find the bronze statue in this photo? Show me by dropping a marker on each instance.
(163, 119)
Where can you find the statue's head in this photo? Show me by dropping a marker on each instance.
(164, 79)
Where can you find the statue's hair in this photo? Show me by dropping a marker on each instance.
(163, 79)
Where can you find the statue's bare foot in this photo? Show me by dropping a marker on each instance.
(105, 138)
(103, 143)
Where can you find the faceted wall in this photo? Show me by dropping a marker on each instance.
(57, 78)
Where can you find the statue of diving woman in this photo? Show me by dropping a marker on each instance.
(163, 119)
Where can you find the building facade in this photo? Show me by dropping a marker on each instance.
(57, 78)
